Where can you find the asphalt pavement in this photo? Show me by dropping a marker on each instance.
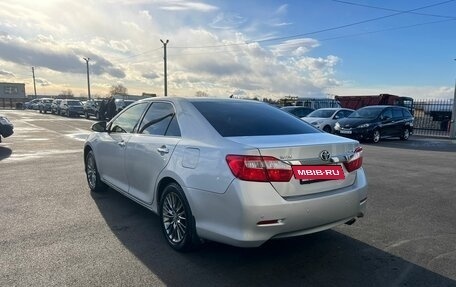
(54, 232)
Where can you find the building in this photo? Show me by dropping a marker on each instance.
(12, 90)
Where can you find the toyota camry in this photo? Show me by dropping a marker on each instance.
(233, 171)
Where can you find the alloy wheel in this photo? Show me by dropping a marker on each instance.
(174, 218)
(376, 136)
(91, 170)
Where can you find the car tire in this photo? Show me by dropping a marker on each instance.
(376, 136)
(178, 224)
(86, 115)
(405, 134)
(92, 174)
(327, 129)
(41, 111)
(68, 113)
(97, 116)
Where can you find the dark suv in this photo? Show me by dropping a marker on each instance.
(376, 122)
(92, 108)
(71, 107)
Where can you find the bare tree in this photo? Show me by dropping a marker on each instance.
(118, 89)
(201, 94)
(66, 94)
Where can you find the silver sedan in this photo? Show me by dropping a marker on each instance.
(326, 118)
(233, 171)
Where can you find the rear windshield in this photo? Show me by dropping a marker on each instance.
(74, 103)
(244, 118)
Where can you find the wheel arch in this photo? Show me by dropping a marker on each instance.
(165, 181)
(87, 149)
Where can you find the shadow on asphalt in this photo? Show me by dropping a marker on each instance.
(5, 152)
(418, 143)
(323, 259)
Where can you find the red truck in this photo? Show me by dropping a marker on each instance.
(356, 102)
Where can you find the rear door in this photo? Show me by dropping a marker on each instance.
(387, 125)
(399, 122)
(149, 150)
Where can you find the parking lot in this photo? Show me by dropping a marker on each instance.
(54, 232)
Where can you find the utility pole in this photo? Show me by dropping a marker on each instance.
(88, 79)
(453, 116)
(34, 85)
(164, 58)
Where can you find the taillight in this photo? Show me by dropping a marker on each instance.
(356, 161)
(258, 168)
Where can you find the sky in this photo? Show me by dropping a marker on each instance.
(254, 48)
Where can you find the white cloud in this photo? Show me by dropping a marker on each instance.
(6, 74)
(283, 9)
(185, 6)
(227, 20)
(295, 47)
(42, 82)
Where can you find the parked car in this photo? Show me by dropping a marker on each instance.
(6, 127)
(71, 107)
(376, 122)
(122, 104)
(44, 105)
(325, 119)
(55, 106)
(32, 105)
(234, 171)
(92, 108)
(298, 111)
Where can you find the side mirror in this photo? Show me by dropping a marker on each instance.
(99, 127)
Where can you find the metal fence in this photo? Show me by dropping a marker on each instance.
(12, 103)
(433, 117)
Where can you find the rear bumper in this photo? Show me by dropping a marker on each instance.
(358, 134)
(233, 217)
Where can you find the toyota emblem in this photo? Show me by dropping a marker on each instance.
(325, 155)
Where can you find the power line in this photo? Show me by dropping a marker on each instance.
(354, 23)
(397, 12)
(389, 9)
(331, 38)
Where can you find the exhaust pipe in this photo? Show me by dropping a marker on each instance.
(351, 221)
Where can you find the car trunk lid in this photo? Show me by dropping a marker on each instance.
(305, 149)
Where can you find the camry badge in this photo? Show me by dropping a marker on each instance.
(325, 155)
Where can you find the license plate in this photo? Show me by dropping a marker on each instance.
(315, 172)
(345, 132)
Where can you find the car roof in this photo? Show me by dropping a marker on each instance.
(381, 106)
(199, 99)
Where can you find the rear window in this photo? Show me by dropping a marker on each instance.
(244, 118)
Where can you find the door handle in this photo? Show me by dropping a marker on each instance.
(121, 144)
(163, 149)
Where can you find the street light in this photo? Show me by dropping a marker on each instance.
(88, 80)
(164, 58)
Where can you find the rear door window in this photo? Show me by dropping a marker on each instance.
(397, 113)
